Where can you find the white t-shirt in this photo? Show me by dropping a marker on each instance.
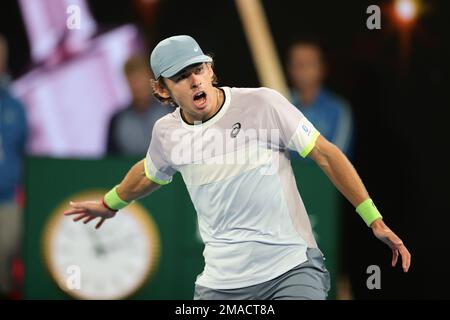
(237, 171)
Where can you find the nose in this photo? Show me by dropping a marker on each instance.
(195, 80)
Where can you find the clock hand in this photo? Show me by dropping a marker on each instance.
(99, 248)
(119, 243)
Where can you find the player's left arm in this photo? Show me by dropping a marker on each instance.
(344, 176)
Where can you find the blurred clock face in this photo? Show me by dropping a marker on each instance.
(109, 263)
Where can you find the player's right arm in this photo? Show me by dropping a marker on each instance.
(135, 185)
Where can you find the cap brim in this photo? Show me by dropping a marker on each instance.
(180, 66)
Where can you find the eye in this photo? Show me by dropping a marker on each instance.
(199, 69)
(181, 77)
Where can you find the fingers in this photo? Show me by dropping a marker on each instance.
(99, 224)
(86, 211)
(82, 205)
(406, 258)
(76, 205)
(89, 219)
(74, 211)
(400, 248)
(394, 257)
(81, 216)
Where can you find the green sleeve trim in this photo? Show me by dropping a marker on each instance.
(155, 180)
(113, 200)
(311, 144)
(368, 211)
(158, 181)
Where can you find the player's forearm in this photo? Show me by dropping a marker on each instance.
(342, 173)
(136, 185)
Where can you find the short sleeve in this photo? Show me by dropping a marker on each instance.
(296, 131)
(157, 167)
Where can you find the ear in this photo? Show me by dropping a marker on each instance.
(160, 89)
(210, 70)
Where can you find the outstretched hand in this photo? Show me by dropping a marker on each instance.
(90, 210)
(382, 232)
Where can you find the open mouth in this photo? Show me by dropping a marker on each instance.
(200, 99)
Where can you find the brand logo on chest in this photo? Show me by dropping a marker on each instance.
(235, 130)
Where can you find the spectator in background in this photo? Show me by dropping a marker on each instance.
(13, 132)
(329, 113)
(130, 129)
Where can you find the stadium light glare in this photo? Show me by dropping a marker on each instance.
(406, 10)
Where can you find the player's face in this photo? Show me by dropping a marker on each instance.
(193, 91)
(305, 67)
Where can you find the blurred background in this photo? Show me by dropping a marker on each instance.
(76, 111)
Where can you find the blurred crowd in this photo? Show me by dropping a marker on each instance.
(13, 135)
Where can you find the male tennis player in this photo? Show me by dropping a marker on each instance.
(231, 147)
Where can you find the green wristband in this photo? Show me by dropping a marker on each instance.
(113, 200)
(368, 212)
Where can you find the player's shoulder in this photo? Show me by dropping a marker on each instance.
(259, 96)
(167, 122)
(255, 92)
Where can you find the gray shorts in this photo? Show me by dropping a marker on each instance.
(309, 280)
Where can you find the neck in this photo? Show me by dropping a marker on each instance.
(308, 96)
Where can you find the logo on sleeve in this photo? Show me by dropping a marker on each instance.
(306, 129)
(235, 130)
